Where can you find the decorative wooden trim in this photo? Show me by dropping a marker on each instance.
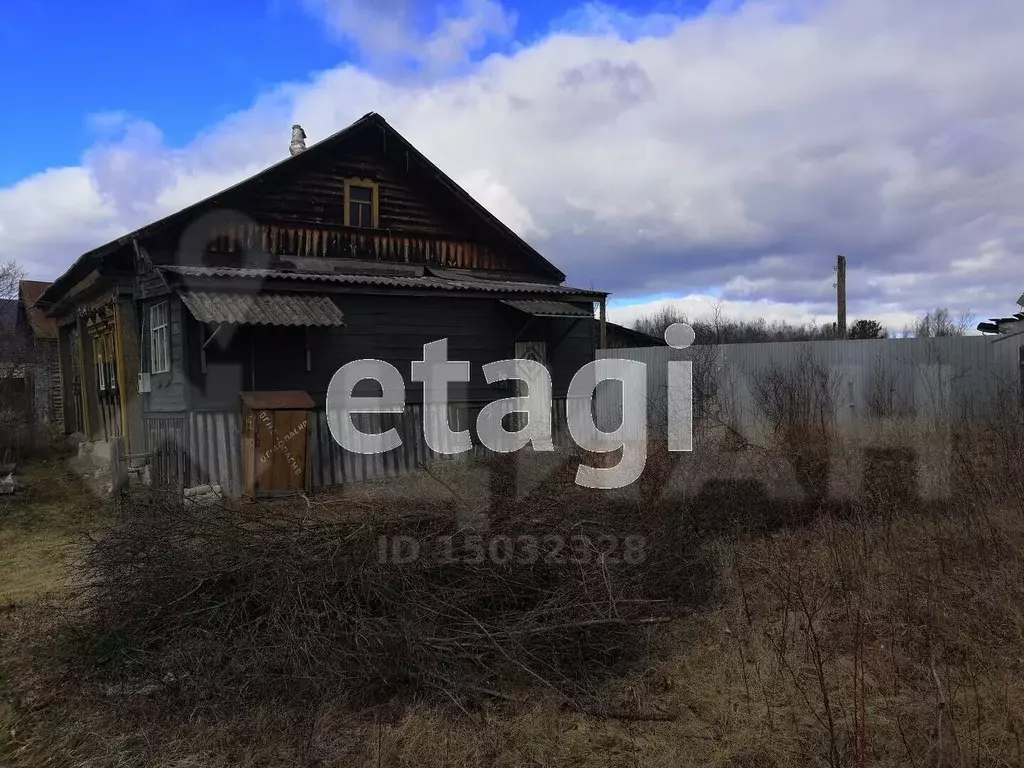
(122, 388)
(83, 373)
(375, 200)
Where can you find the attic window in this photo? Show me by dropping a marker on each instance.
(361, 203)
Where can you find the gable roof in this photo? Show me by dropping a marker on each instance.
(29, 292)
(92, 259)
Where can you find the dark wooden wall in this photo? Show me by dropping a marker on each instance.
(314, 194)
(389, 328)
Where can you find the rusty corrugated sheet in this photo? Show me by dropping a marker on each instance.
(548, 308)
(262, 308)
(433, 282)
(42, 326)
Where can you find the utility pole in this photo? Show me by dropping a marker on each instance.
(841, 296)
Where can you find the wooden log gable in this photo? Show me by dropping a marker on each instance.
(298, 208)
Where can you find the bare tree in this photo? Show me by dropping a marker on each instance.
(940, 322)
(10, 340)
(718, 328)
(10, 275)
(656, 323)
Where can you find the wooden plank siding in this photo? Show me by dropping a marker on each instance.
(300, 211)
(168, 391)
(409, 200)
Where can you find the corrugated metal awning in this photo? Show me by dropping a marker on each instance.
(548, 308)
(262, 308)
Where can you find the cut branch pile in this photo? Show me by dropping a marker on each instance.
(268, 601)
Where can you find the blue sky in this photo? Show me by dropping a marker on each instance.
(690, 153)
(182, 65)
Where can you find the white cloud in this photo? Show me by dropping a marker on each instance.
(394, 31)
(743, 148)
(703, 306)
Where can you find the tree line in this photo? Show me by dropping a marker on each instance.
(718, 328)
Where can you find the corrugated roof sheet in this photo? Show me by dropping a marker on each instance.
(548, 308)
(432, 282)
(262, 308)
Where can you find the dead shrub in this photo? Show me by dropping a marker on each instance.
(798, 403)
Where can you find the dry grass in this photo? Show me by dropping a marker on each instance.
(883, 632)
(39, 527)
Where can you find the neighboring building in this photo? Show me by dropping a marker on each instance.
(12, 370)
(15, 390)
(40, 335)
(358, 247)
(1004, 326)
(29, 376)
(8, 316)
(620, 337)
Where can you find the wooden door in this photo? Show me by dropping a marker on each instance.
(281, 448)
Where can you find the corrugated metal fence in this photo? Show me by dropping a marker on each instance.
(865, 378)
(206, 448)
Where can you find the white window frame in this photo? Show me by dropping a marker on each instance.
(160, 338)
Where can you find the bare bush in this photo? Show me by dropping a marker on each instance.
(798, 403)
(886, 393)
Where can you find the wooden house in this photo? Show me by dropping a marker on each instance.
(357, 247)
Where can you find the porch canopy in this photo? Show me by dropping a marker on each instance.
(262, 308)
(548, 308)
